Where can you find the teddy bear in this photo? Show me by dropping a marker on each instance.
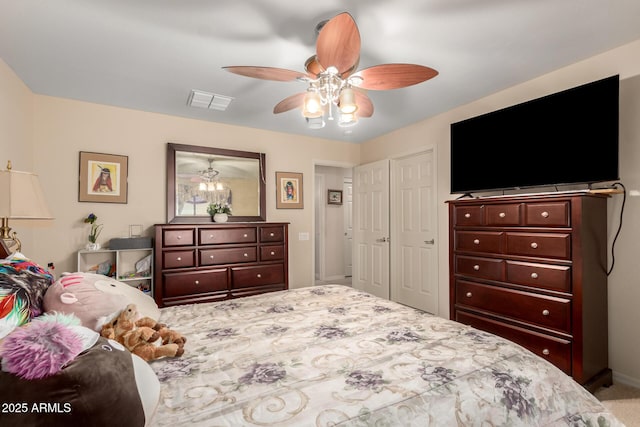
(143, 336)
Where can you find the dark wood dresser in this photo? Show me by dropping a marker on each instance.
(532, 269)
(197, 263)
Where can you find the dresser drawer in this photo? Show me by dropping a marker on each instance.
(214, 236)
(227, 256)
(503, 215)
(178, 259)
(546, 312)
(468, 215)
(543, 245)
(555, 350)
(485, 268)
(479, 241)
(244, 277)
(554, 277)
(272, 253)
(194, 282)
(178, 237)
(271, 234)
(554, 214)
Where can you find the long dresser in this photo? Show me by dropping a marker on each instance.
(532, 269)
(197, 263)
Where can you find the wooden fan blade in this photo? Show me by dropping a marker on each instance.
(365, 106)
(338, 43)
(394, 76)
(313, 67)
(289, 103)
(266, 73)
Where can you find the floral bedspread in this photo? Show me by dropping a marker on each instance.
(335, 356)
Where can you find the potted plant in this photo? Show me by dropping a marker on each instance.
(219, 211)
(94, 232)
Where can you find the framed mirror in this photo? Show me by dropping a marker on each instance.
(200, 176)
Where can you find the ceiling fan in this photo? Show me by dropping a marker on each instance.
(332, 77)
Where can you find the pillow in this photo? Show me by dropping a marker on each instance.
(23, 284)
(96, 299)
(104, 385)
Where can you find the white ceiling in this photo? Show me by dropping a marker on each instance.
(149, 54)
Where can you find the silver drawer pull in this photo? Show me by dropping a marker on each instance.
(545, 312)
(197, 282)
(476, 241)
(246, 235)
(546, 352)
(534, 275)
(179, 259)
(534, 245)
(246, 255)
(211, 236)
(179, 237)
(271, 234)
(502, 214)
(211, 256)
(476, 267)
(273, 253)
(258, 275)
(469, 294)
(545, 214)
(467, 215)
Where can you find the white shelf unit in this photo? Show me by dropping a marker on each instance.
(123, 262)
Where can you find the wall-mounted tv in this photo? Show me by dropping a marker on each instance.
(569, 137)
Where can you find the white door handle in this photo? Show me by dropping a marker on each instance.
(382, 240)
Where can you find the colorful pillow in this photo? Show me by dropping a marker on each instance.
(23, 284)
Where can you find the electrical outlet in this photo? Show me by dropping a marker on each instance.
(303, 236)
(634, 193)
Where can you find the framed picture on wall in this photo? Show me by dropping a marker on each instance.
(103, 178)
(289, 191)
(334, 197)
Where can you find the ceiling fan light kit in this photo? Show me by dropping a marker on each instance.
(331, 78)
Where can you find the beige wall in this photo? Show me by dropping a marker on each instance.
(55, 130)
(624, 285)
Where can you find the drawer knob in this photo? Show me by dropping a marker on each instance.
(273, 253)
(502, 214)
(546, 352)
(476, 267)
(476, 241)
(245, 235)
(545, 312)
(179, 258)
(545, 214)
(179, 237)
(534, 245)
(210, 236)
(467, 215)
(211, 256)
(197, 282)
(469, 294)
(271, 234)
(246, 254)
(258, 275)
(534, 275)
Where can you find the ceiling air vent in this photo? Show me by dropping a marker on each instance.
(211, 101)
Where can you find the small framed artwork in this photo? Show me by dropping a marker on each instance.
(334, 197)
(289, 189)
(103, 178)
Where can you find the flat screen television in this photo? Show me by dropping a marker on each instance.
(569, 137)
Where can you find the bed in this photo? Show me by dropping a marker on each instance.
(335, 356)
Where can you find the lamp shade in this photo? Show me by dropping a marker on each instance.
(23, 197)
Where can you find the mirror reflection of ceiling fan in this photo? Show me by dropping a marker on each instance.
(332, 77)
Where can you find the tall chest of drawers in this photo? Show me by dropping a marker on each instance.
(197, 263)
(533, 270)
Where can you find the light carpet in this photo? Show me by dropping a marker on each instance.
(623, 401)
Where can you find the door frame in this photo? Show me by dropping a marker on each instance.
(330, 163)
